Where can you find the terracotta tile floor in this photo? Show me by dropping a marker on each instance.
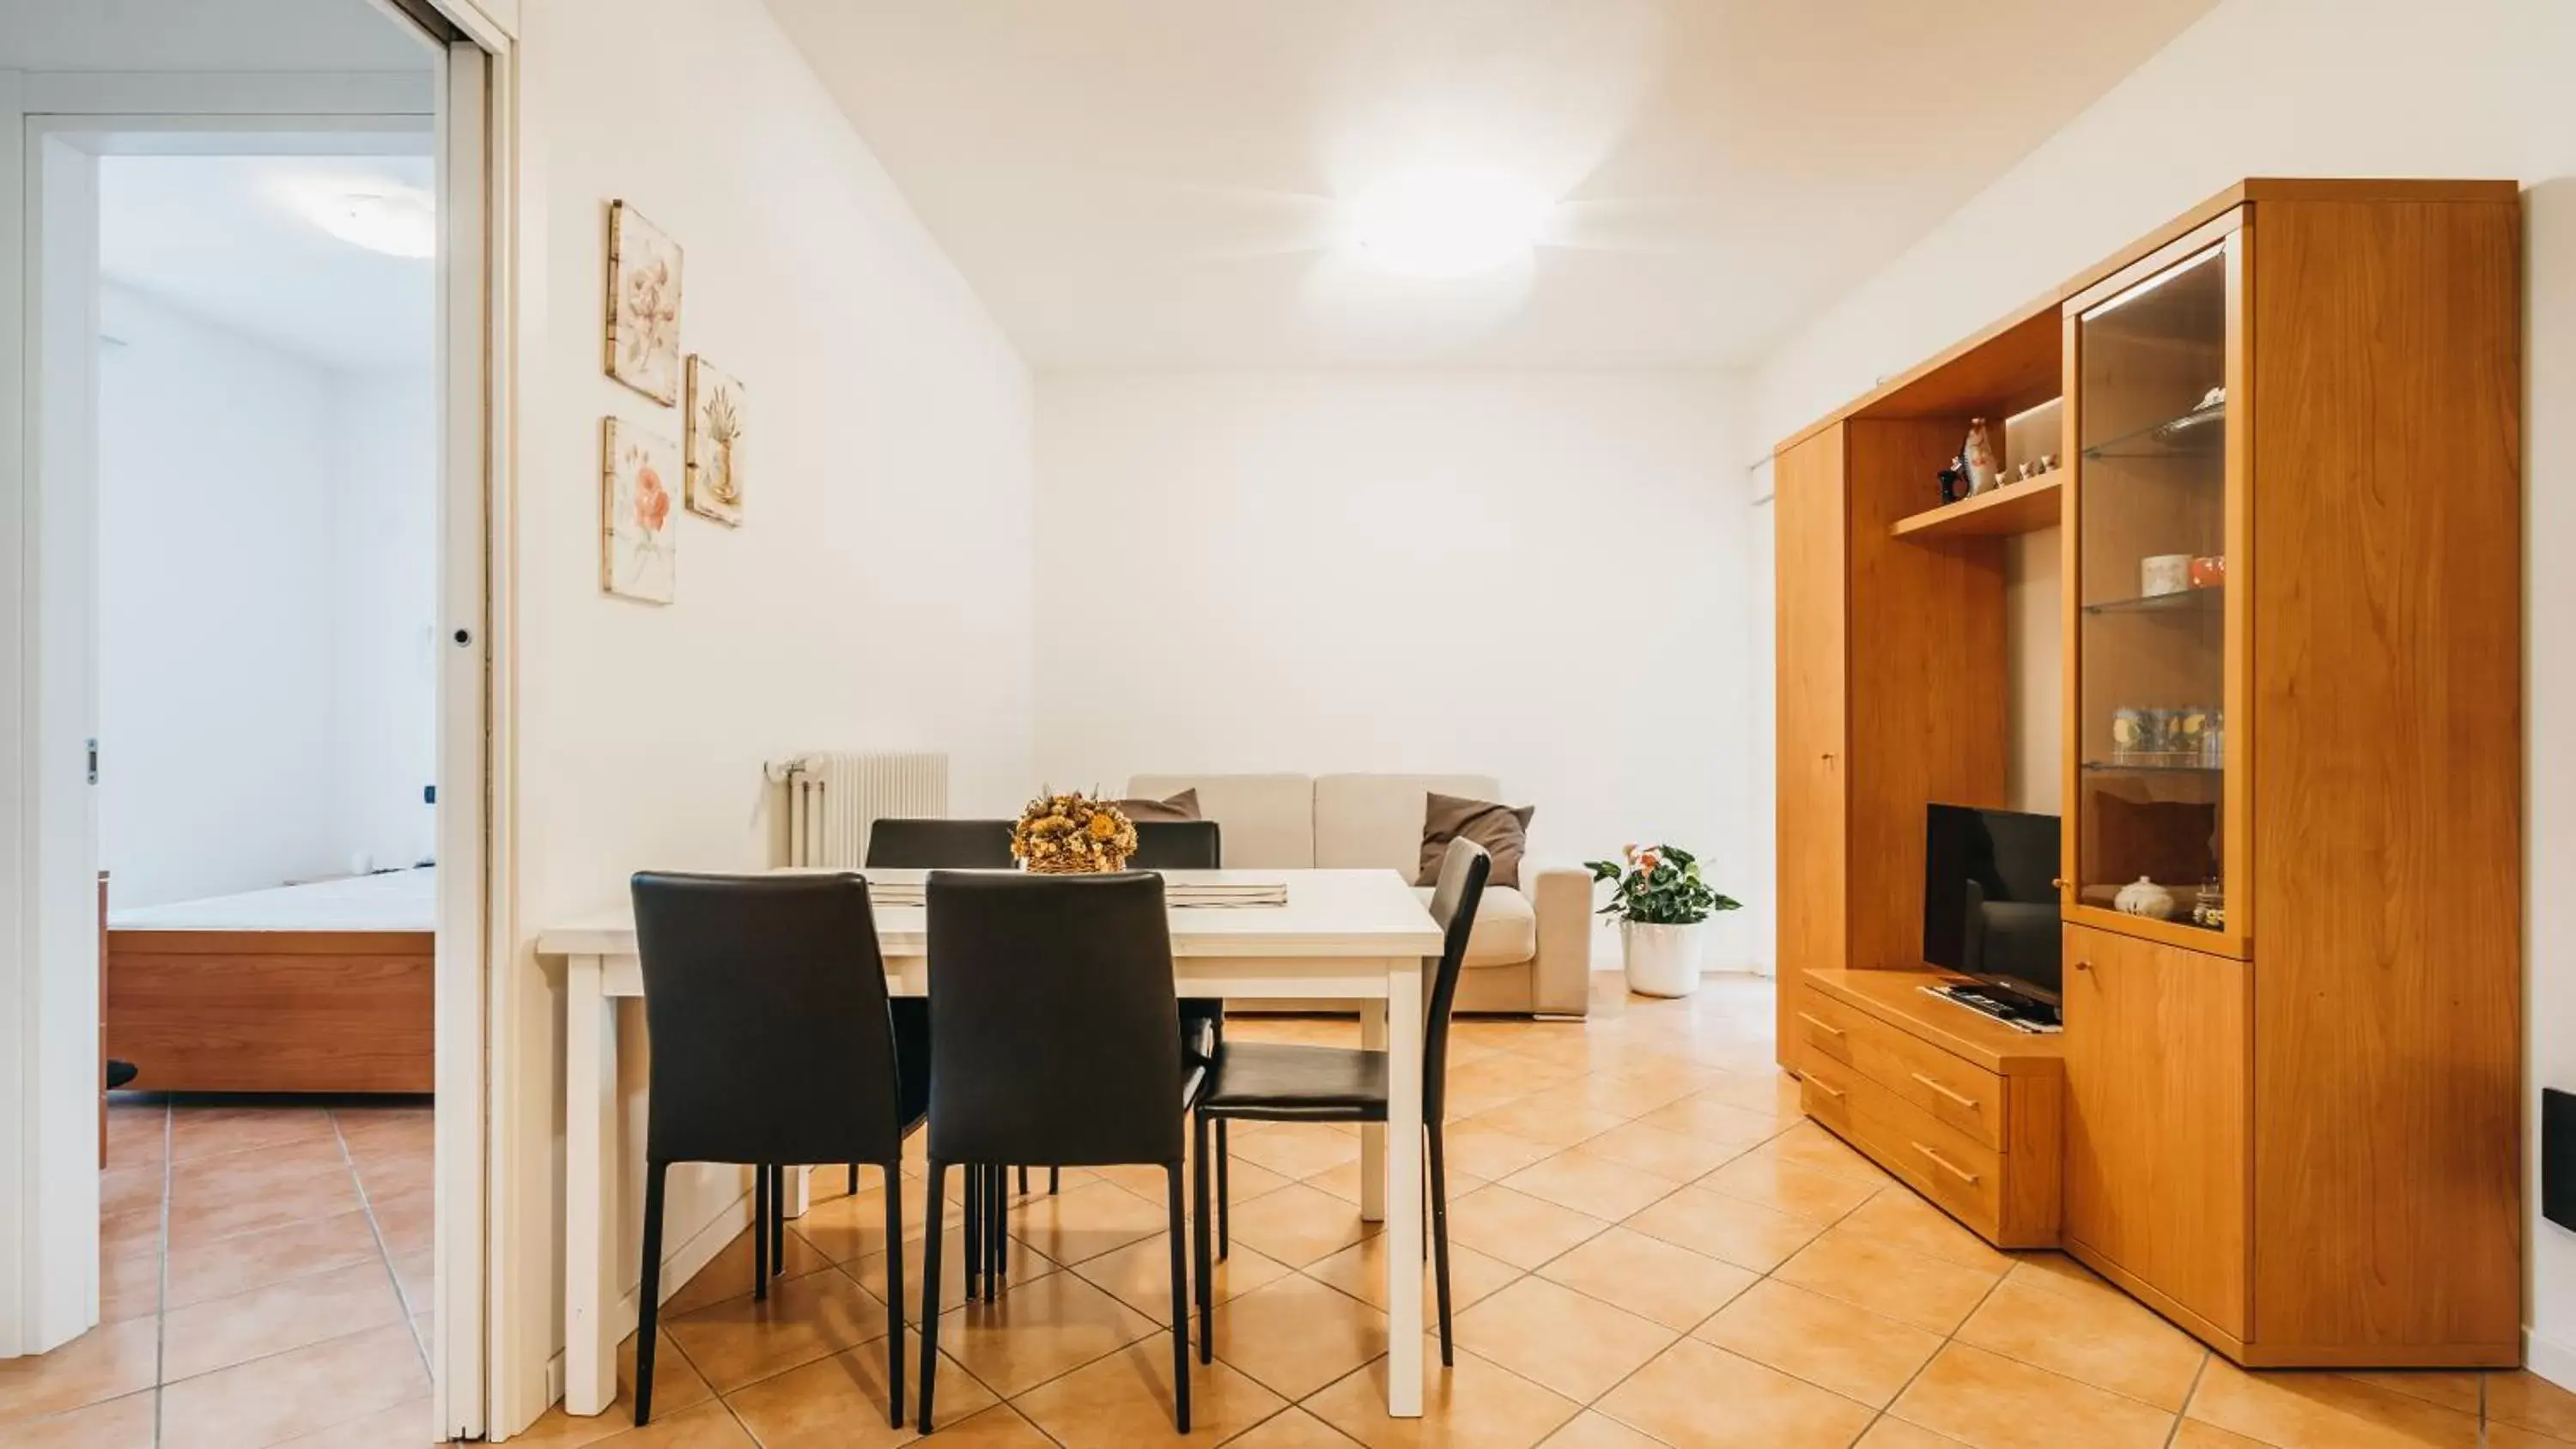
(1651, 1250)
(260, 1282)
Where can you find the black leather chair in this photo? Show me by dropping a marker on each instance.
(920, 843)
(1191, 845)
(765, 1004)
(1177, 845)
(1054, 1039)
(1267, 1082)
(914, 844)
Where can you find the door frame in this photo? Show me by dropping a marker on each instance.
(48, 957)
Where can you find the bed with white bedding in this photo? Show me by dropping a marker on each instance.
(323, 987)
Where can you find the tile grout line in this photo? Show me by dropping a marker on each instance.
(2189, 1392)
(384, 1255)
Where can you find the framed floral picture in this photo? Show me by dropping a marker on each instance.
(638, 552)
(714, 440)
(643, 305)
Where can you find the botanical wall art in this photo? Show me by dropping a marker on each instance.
(638, 551)
(643, 305)
(715, 419)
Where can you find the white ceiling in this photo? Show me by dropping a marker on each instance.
(205, 35)
(218, 237)
(1153, 182)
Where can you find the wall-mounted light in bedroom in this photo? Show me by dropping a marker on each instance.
(1448, 221)
(395, 220)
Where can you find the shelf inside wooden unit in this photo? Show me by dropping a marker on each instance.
(2023, 507)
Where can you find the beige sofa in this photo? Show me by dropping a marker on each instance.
(1531, 950)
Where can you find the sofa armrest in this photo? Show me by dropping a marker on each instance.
(1561, 974)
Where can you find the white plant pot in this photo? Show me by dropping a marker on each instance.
(1661, 960)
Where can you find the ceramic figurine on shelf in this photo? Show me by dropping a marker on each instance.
(2143, 897)
(1954, 481)
(1983, 473)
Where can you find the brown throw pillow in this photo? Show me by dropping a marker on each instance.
(1184, 806)
(1502, 830)
(2167, 841)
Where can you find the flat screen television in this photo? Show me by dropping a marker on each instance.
(1990, 898)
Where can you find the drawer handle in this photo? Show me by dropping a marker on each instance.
(1820, 1085)
(1968, 1102)
(1820, 1026)
(1946, 1165)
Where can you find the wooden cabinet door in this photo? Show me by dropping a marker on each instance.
(2157, 1116)
(1808, 512)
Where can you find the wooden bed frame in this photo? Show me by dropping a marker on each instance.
(272, 1011)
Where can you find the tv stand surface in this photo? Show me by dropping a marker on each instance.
(1962, 1108)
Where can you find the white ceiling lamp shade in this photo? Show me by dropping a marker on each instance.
(398, 221)
(1449, 221)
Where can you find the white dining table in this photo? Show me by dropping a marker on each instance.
(1342, 935)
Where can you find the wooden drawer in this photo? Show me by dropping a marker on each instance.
(1953, 1092)
(1958, 1172)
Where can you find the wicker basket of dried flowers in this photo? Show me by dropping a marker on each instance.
(1072, 835)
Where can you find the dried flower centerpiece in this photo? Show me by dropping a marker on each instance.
(1071, 835)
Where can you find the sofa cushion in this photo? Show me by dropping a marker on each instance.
(1181, 807)
(1502, 830)
(1506, 929)
(1374, 822)
(1268, 821)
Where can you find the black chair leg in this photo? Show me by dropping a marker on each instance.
(759, 1231)
(974, 1215)
(1180, 1305)
(1207, 1274)
(930, 1284)
(854, 1180)
(1440, 1242)
(778, 1222)
(1024, 1180)
(1052, 1180)
(1224, 1194)
(894, 1293)
(650, 1297)
(997, 1270)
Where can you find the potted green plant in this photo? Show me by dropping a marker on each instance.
(1662, 907)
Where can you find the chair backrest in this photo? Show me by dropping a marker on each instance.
(1177, 845)
(1054, 1035)
(765, 1003)
(913, 844)
(1463, 870)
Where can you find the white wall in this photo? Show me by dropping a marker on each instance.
(1556, 578)
(2308, 88)
(878, 590)
(382, 442)
(216, 667)
(267, 568)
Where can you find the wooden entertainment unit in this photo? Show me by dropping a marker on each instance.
(1963, 1108)
(2256, 638)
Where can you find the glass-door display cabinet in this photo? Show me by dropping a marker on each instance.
(2155, 795)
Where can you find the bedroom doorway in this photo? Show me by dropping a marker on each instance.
(264, 327)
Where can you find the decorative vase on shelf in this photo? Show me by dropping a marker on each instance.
(1984, 473)
(2143, 897)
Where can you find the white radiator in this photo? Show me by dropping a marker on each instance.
(832, 800)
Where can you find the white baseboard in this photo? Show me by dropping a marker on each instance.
(2549, 1359)
(683, 1263)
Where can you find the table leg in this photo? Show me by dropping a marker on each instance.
(590, 1188)
(1372, 1137)
(1403, 1168)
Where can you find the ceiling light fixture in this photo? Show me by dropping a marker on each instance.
(1448, 221)
(398, 221)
